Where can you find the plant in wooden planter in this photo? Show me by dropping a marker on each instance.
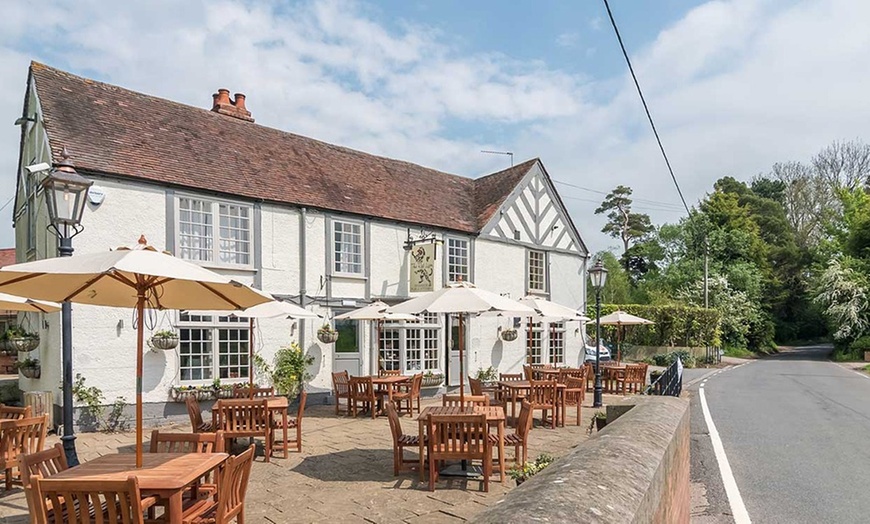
(432, 379)
(29, 367)
(509, 334)
(18, 339)
(163, 340)
(327, 334)
(522, 473)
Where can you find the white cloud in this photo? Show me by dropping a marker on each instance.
(734, 86)
(567, 39)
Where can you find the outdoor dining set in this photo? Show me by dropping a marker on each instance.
(472, 427)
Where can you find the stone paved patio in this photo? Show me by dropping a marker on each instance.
(344, 474)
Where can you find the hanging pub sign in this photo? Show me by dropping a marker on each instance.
(423, 268)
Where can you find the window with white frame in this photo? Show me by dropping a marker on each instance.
(411, 347)
(457, 260)
(228, 243)
(534, 335)
(537, 271)
(347, 249)
(212, 347)
(556, 343)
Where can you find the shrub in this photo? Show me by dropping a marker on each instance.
(861, 345)
(289, 370)
(674, 325)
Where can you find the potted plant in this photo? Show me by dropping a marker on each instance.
(29, 367)
(432, 379)
(18, 339)
(163, 340)
(288, 372)
(522, 473)
(327, 334)
(599, 420)
(509, 334)
(488, 376)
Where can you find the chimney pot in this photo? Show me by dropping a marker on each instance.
(223, 96)
(240, 102)
(222, 104)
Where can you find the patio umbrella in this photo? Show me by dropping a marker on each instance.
(140, 277)
(549, 311)
(271, 309)
(376, 311)
(619, 319)
(462, 298)
(16, 303)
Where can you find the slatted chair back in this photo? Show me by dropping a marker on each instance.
(163, 442)
(476, 386)
(528, 372)
(243, 391)
(340, 384)
(43, 463)
(233, 487)
(471, 401)
(390, 373)
(524, 422)
(511, 377)
(564, 373)
(362, 388)
(395, 424)
(458, 437)
(14, 413)
(193, 412)
(86, 501)
(590, 374)
(416, 386)
(635, 376)
(241, 417)
(20, 437)
(542, 392)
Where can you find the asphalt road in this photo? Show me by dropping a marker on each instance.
(795, 430)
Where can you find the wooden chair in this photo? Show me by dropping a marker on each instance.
(519, 439)
(363, 395)
(244, 391)
(528, 372)
(470, 401)
(341, 390)
(193, 412)
(590, 375)
(163, 442)
(243, 418)
(19, 437)
(632, 380)
(86, 501)
(230, 501)
(390, 373)
(13, 413)
(475, 385)
(458, 437)
(511, 377)
(570, 372)
(409, 393)
(575, 391)
(292, 423)
(400, 441)
(542, 395)
(44, 464)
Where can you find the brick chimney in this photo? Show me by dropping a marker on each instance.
(234, 108)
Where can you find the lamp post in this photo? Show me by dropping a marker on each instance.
(65, 193)
(598, 276)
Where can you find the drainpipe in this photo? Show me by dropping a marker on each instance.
(302, 273)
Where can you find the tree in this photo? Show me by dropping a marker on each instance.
(621, 222)
(843, 294)
(617, 289)
(844, 164)
(807, 199)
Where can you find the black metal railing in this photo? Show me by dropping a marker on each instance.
(670, 382)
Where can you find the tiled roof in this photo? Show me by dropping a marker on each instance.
(112, 130)
(7, 256)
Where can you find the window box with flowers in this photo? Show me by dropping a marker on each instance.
(431, 379)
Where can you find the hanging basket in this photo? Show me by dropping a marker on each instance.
(327, 337)
(32, 372)
(23, 344)
(163, 342)
(509, 335)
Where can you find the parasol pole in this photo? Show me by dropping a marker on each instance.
(140, 326)
(251, 357)
(529, 345)
(461, 365)
(380, 324)
(619, 344)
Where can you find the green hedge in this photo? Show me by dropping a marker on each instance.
(674, 325)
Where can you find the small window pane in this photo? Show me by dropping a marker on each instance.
(457, 260)
(195, 231)
(537, 271)
(347, 248)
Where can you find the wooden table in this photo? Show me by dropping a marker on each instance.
(546, 373)
(166, 475)
(494, 415)
(514, 387)
(609, 375)
(389, 382)
(278, 404)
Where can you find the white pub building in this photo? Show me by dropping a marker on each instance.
(323, 226)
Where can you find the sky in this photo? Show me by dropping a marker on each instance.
(734, 86)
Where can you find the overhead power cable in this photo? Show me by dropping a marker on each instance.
(645, 107)
(642, 200)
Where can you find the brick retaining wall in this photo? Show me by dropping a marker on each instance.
(634, 470)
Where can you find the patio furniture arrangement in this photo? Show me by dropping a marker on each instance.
(19, 437)
(341, 390)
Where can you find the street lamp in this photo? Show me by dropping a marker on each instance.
(65, 193)
(598, 276)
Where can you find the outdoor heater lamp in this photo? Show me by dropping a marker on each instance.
(598, 276)
(66, 192)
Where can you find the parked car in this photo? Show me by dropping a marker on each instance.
(590, 351)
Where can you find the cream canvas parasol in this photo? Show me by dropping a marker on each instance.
(141, 277)
(619, 319)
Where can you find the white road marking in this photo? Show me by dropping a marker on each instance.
(738, 509)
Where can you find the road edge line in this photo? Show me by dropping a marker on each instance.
(738, 508)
